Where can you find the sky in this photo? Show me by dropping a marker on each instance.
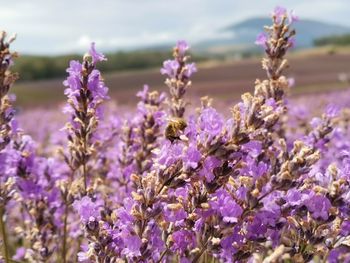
(53, 27)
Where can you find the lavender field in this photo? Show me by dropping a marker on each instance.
(180, 177)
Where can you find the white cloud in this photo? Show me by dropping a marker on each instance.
(48, 26)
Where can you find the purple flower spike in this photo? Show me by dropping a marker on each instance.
(183, 239)
(211, 122)
(87, 209)
(178, 69)
(96, 56)
(332, 111)
(193, 156)
(261, 40)
(182, 47)
(292, 17)
(143, 93)
(226, 207)
(279, 12)
(292, 42)
(319, 206)
(170, 68)
(190, 69)
(133, 244)
(20, 253)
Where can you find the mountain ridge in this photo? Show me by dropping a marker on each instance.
(244, 33)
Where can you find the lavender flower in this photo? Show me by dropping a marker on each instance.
(85, 91)
(153, 185)
(96, 56)
(8, 156)
(87, 209)
(178, 71)
(211, 122)
(226, 207)
(319, 206)
(170, 68)
(261, 40)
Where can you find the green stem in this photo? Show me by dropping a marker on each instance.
(64, 246)
(4, 235)
(85, 179)
(204, 248)
(162, 255)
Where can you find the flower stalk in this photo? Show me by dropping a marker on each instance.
(65, 231)
(85, 91)
(178, 73)
(5, 245)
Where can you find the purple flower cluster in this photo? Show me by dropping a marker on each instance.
(85, 92)
(162, 184)
(178, 72)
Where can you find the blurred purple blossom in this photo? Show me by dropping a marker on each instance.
(261, 40)
(96, 56)
(170, 68)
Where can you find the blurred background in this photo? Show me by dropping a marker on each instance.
(137, 35)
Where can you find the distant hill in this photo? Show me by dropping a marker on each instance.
(244, 33)
(338, 40)
(49, 67)
(238, 42)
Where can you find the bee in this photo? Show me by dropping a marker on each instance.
(175, 128)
